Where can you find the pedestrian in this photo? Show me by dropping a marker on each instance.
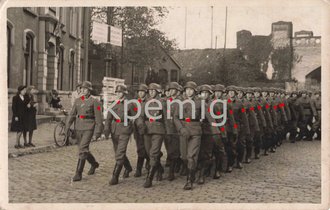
(141, 150)
(55, 100)
(19, 106)
(76, 94)
(120, 133)
(30, 123)
(87, 114)
(190, 129)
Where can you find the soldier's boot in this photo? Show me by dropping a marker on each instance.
(184, 168)
(79, 170)
(229, 164)
(318, 133)
(139, 166)
(94, 164)
(208, 168)
(248, 155)
(256, 152)
(190, 180)
(150, 177)
(201, 173)
(178, 165)
(160, 172)
(218, 167)
(171, 176)
(167, 163)
(128, 168)
(147, 166)
(115, 174)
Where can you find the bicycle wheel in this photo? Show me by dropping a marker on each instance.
(59, 135)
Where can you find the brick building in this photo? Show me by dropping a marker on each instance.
(47, 48)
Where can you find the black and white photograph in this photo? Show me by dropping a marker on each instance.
(184, 104)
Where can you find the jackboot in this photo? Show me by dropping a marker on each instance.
(248, 155)
(94, 164)
(128, 168)
(79, 170)
(218, 167)
(115, 174)
(139, 166)
(208, 168)
(160, 172)
(190, 178)
(150, 177)
(184, 168)
(201, 175)
(171, 176)
(178, 165)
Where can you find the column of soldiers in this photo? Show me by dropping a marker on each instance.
(258, 120)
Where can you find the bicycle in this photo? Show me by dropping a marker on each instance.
(60, 137)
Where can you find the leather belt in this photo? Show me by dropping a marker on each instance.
(86, 117)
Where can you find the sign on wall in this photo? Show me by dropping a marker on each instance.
(104, 33)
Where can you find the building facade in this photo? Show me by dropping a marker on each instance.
(47, 47)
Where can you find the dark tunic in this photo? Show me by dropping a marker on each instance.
(19, 108)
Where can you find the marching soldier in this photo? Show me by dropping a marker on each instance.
(316, 107)
(87, 114)
(232, 129)
(191, 131)
(296, 111)
(120, 134)
(141, 151)
(274, 114)
(282, 114)
(154, 132)
(266, 107)
(243, 126)
(172, 139)
(254, 138)
(306, 103)
(258, 138)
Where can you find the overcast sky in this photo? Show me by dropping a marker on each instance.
(256, 20)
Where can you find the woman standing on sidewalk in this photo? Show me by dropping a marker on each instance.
(30, 123)
(19, 106)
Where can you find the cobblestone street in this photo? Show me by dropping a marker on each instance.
(291, 175)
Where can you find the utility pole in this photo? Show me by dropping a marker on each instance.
(185, 29)
(211, 27)
(224, 47)
(108, 57)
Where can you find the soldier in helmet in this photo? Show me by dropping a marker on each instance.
(296, 111)
(87, 114)
(154, 131)
(141, 151)
(274, 113)
(284, 104)
(239, 107)
(190, 130)
(266, 107)
(254, 138)
(306, 103)
(258, 137)
(120, 134)
(172, 139)
(316, 107)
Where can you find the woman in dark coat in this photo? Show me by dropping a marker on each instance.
(30, 123)
(19, 107)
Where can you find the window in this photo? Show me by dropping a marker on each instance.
(73, 22)
(71, 69)
(60, 68)
(89, 75)
(174, 75)
(31, 10)
(28, 57)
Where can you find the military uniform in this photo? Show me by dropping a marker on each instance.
(297, 113)
(191, 131)
(139, 139)
(308, 117)
(172, 138)
(120, 134)
(316, 108)
(87, 114)
(154, 132)
(269, 129)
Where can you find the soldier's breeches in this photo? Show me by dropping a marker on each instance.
(173, 146)
(257, 142)
(241, 145)
(183, 147)
(230, 147)
(193, 148)
(141, 151)
(153, 145)
(84, 139)
(120, 146)
(206, 148)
